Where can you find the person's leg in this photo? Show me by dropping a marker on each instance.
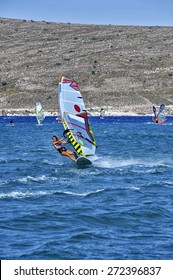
(72, 153)
(76, 155)
(66, 154)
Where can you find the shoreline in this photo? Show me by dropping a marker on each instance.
(94, 111)
(117, 114)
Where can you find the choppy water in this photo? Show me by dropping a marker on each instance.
(120, 208)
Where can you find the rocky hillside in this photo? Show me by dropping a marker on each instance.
(120, 68)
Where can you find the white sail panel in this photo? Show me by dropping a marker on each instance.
(159, 117)
(39, 112)
(74, 117)
(162, 114)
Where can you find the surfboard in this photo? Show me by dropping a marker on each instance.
(83, 161)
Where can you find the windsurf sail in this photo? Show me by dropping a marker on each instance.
(74, 117)
(154, 111)
(102, 113)
(159, 118)
(4, 114)
(162, 114)
(58, 118)
(39, 112)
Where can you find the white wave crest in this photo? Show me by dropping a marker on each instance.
(109, 162)
(19, 194)
(27, 179)
(113, 163)
(84, 193)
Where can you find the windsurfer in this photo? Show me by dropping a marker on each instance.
(11, 123)
(155, 120)
(159, 118)
(57, 143)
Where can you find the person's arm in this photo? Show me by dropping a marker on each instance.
(54, 144)
(64, 142)
(57, 142)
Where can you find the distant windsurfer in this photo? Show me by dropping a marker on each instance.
(159, 118)
(57, 144)
(102, 113)
(156, 120)
(11, 123)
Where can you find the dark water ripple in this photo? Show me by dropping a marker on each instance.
(120, 208)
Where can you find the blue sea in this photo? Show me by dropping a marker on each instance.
(120, 208)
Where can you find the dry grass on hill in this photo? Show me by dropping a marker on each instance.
(119, 68)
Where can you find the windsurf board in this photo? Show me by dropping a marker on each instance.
(82, 161)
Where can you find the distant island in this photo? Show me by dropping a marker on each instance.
(123, 69)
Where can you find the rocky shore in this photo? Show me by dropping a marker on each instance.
(123, 69)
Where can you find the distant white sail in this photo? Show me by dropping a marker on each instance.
(74, 117)
(162, 114)
(159, 118)
(39, 112)
(4, 114)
